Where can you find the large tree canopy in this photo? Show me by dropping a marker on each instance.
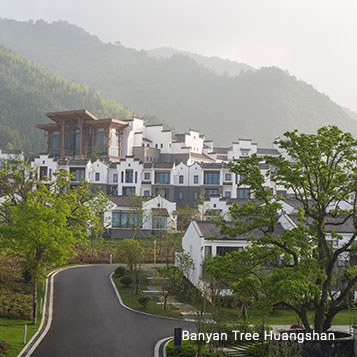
(43, 222)
(309, 266)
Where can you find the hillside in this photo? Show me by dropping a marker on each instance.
(27, 92)
(259, 104)
(218, 65)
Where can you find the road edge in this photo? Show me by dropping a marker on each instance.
(163, 342)
(137, 311)
(47, 314)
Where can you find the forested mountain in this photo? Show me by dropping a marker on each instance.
(27, 92)
(259, 104)
(220, 66)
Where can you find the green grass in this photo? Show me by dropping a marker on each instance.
(131, 300)
(289, 317)
(12, 330)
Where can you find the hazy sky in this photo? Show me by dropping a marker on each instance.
(313, 39)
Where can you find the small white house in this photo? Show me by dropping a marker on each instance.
(149, 216)
(203, 240)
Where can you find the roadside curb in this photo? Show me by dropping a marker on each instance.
(137, 311)
(47, 313)
(160, 347)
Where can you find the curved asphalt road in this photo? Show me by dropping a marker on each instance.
(89, 321)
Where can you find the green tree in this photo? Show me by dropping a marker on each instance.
(131, 252)
(303, 273)
(170, 280)
(42, 222)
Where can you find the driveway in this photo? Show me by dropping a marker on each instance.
(88, 319)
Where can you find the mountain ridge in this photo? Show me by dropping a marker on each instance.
(260, 104)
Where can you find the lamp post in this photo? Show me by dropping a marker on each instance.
(155, 252)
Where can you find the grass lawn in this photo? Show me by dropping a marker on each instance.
(12, 330)
(289, 317)
(131, 300)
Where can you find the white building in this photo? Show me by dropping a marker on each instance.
(147, 217)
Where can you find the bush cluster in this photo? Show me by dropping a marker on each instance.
(126, 281)
(15, 305)
(120, 271)
(4, 346)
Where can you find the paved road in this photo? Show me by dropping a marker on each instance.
(88, 320)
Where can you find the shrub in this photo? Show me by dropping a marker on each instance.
(3, 347)
(144, 301)
(120, 271)
(126, 281)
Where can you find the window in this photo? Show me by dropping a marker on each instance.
(181, 179)
(227, 194)
(195, 196)
(180, 195)
(211, 192)
(79, 173)
(159, 222)
(163, 192)
(136, 177)
(128, 190)
(129, 176)
(43, 173)
(161, 145)
(115, 177)
(162, 178)
(146, 193)
(243, 193)
(122, 176)
(125, 219)
(222, 251)
(211, 178)
(195, 179)
(208, 252)
(239, 177)
(147, 176)
(97, 176)
(50, 174)
(228, 177)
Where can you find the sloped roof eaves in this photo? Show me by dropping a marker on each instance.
(210, 231)
(346, 227)
(267, 151)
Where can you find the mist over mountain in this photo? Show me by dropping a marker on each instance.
(260, 104)
(27, 92)
(218, 65)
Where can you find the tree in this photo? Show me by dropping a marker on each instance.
(297, 268)
(43, 222)
(170, 279)
(132, 253)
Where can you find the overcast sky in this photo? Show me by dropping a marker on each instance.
(313, 39)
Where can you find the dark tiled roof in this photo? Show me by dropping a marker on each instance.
(147, 165)
(211, 230)
(221, 150)
(267, 151)
(163, 165)
(180, 137)
(160, 212)
(73, 162)
(345, 227)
